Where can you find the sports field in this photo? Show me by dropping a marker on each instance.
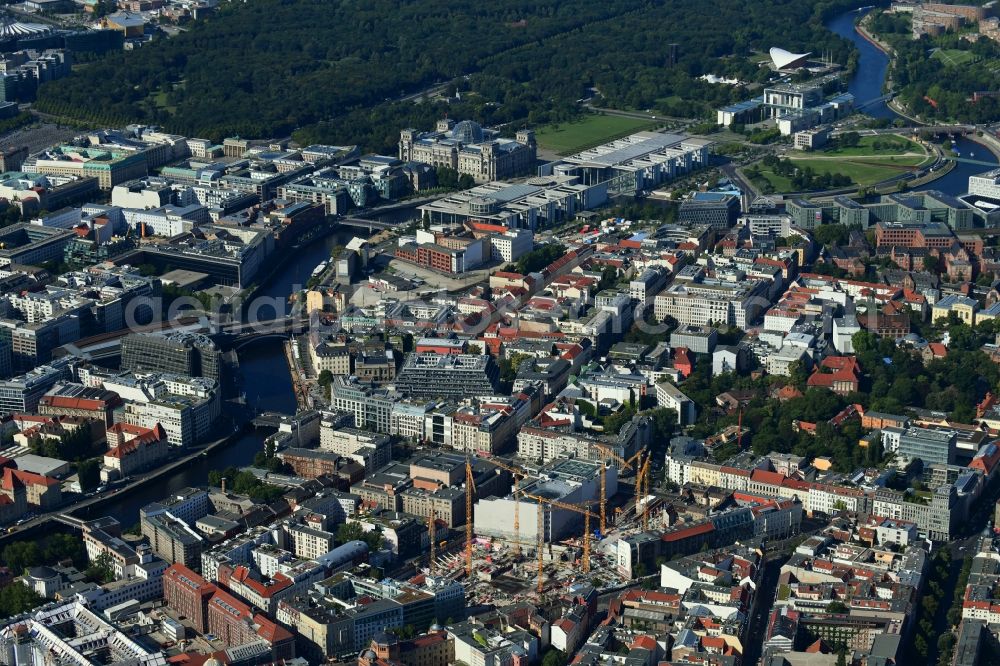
(954, 57)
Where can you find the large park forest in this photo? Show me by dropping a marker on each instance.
(333, 71)
(935, 77)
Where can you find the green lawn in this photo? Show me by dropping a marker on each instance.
(779, 183)
(592, 130)
(954, 57)
(864, 171)
(866, 146)
(864, 164)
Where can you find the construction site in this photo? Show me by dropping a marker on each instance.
(559, 525)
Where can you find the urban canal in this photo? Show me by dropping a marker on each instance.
(266, 384)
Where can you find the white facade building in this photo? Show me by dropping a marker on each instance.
(511, 245)
(671, 397)
(986, 184)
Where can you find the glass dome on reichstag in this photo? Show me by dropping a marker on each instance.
(468, 131)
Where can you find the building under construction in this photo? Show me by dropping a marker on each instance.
(564, 481)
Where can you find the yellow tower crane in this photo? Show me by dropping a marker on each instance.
(470, 488)
(625, 464)
(587, 515)
(642, 482)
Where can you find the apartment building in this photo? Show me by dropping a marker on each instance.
(309, 541)
(669, 396)
(446, 505)
(369, 449)
(133, 449)
(647, 284)
(482, 430)
(24, 392)
(448, 375)
(334, 358)
(172, 539)
(547, 444)
(371, 407)
(186, 408)
(722, 303)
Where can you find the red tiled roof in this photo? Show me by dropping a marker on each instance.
(66, 402)
(645, 642)
(189, 578)
(25, 478)
(506, 275)
(843, 369)
(271, 631)
(764, 476)
(787, 392)
(277, 583)
(688, 532)
(565, 624)
(230, 605)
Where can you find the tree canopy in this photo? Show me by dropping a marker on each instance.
(940, 87)
(354, 532)
(539, 258)
(245, 483)
(338, 72)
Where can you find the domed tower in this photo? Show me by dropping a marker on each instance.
(467, 131)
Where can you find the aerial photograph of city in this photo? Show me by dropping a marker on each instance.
(512, 333)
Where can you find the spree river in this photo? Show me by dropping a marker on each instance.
(266, 383)
(866, 84)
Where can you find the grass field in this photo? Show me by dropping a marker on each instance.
(864, 164)
(866, 146)
(954, 57)
(593, 130)
(864, 171)
(779, 183)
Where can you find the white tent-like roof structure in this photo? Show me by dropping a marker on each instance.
(11, 29)
(783, 59)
